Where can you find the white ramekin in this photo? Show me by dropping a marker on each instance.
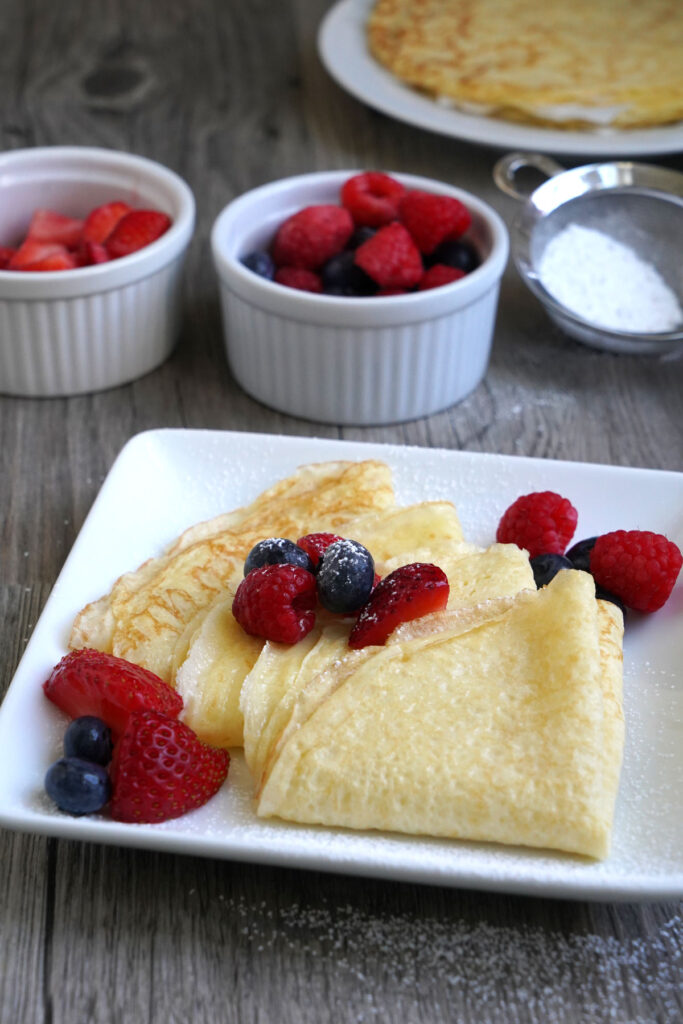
(74, 331)
(346, 360)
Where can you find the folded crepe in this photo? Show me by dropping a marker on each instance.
(501, 723)
(214, 654)
(150, 611)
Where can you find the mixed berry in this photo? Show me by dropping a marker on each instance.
(126, 752)
(278, 602)
(125, 748)
(381, 239)
(632, 568)
(109, 232)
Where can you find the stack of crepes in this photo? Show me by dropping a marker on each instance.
(572, 64)
(498, 719)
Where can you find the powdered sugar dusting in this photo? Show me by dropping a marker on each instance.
(606, 283)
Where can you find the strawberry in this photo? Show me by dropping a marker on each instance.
(136, 230)
(90, 253)
(6, 254)
(31, 251)
(87, 682)
(161, 769)
(101, 221)
(48, 226)
(56, 261)
(406, 593)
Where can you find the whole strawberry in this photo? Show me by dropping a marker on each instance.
(277, 602)
(406, 593)
(88, 682)
(638, 566)
(543, 522)
(161, 769)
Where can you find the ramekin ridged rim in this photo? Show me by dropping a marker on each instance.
(346, 311)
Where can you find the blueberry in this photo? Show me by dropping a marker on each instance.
(457, 253)
(346, 572)
(88, 738)
(341, 276)
(276, 551)
(547, 566)
(360, 235)
(580, 553)
(78, 786)
(605, 595)
(261, 264)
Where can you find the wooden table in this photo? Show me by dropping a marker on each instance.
(231, 95)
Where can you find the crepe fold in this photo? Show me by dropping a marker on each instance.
(501, 723)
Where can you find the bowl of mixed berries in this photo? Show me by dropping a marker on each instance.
(92, 243)
(359, 297)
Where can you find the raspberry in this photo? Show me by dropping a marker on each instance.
(277, 602)
(439, 275)
(391, 258)
(542, 522)
(431, 219)
(406, 593)
(297, 277)
(638, 566)
(372, 198)
(315, 543)
(310, 237)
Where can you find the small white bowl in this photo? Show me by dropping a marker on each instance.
(74, 331)
(347, 360)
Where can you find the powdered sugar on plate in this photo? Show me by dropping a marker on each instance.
(606, 283)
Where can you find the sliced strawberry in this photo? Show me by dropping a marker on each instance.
(56, 261)
(406, 593)
(136, 230)
(6, 254)
(101, 221)
(88, 682)
(48, 226)
(90, 253)
(31, 251)
(161, 769)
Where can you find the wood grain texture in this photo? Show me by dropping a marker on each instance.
(230, 95)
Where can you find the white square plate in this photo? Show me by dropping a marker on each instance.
(166, 480)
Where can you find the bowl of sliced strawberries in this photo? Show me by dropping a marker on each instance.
(92, 245)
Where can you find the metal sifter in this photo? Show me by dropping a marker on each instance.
(637, 205)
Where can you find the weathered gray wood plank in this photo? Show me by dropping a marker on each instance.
(232, 95)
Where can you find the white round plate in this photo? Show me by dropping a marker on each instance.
(343, 51)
